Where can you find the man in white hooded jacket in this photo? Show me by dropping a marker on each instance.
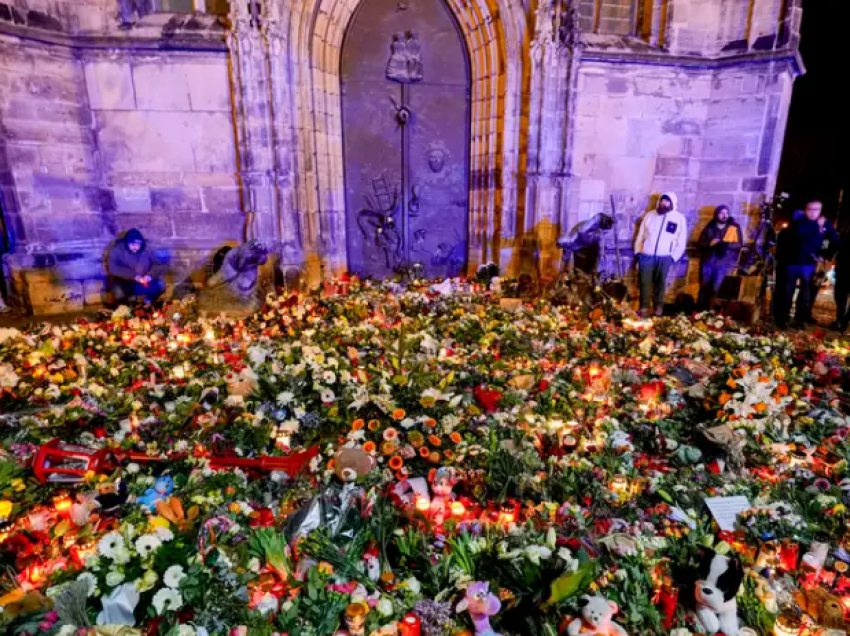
(661, 241)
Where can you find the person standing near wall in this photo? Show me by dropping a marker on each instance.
(799, 250)
(721, 242)
(660, 242)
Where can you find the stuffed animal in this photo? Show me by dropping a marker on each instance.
(718, 583)
(443, 481)
(162, 488)
(372, 563)
(481, 605)
(621, 442)
(596, 619)
(352, 463)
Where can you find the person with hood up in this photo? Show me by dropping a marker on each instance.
(129, 266)
(721, 241)
(661, 241)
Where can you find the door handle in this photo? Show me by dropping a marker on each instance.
(415, 203)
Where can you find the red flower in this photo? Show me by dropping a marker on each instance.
(263, 519)
(100, 432)
(652, 390)
(544, 384)
(488, 398)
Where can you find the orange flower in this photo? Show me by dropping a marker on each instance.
(415, 438)
(388, 448)
(764, 378)
(399, 414)
(402, 473)
(332, 463)
(725, 397)
(429, 423)
(424, 451)
(369, 447)
(761, 407)
(433, 440)
(731, 383)
(448, 455)
(396, 462)
(455, 437)
(374, 425)
(390, 434)
(356, 425)
(434, 457)
(782, 389)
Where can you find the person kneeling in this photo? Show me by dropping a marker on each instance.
(130, 266)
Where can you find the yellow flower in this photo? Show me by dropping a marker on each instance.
(427, 401)
(18, 485)
(839, 509)
(5, 509)
(326, 568)
(159, 522)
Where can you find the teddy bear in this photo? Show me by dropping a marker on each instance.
(596, 619)
(351, 464)
(717, 585)
(481, 605)
(162, 488)
(621, 442)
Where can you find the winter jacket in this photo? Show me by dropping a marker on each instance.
(804, 240)
(663, 234)
(123, 264)
(722, 251)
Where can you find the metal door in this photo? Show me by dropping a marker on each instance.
(405, 116)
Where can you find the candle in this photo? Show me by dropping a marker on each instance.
(458, 510)
(179, 372)
(410, 625)
(62, 502)
(787, 625)
(422, 504)
(619, 484)
(355, 618)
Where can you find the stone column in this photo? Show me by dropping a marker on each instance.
(254, 125)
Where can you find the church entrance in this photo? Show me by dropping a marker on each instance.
(405, 116)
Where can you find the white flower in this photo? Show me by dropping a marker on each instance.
(356, 436)
(147, 581)
(571, 563)
(328, 396)
(385, 607)
(110, 544)
(132, 468)
(329, 377)
(285, 397)
(535, 553)
(167, 600)
(90, 580)
(114, 578)
(413, 585)
(147, 544)
(121, 556)
(173, 576)
(267, 604)
(185, 630)
(164, 534)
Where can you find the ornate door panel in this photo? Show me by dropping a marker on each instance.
(405, 109)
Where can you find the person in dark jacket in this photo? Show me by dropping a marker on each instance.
(799, 250)
(842, 282)
(720, 242)
(129, 267)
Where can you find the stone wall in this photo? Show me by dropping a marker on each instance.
(200, 130)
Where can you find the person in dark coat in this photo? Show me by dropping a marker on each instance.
(799, 250)
(129, 266)
(842, 282)
(721, 241)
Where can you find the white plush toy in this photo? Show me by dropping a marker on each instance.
(719, 580)
(596, 618)
(621, 442)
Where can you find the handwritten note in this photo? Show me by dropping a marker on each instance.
(725, 510)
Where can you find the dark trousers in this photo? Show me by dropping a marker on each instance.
(786, 282)
(712, 273)
(653, 280)
(124, 290)
(842, 292)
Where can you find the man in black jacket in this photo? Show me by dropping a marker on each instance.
(130, 266)
(842, 282)
(799, 250)
(720, 242)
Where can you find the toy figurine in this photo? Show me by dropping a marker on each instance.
(442, 480)
(162, 488)
(719, 580)
(481, 605)
(596, 618)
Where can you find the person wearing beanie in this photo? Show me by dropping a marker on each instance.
(129, 266)
(660, 242)
(720, 242)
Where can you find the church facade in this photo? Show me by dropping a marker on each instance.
(375, 135)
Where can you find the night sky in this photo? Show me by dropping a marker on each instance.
(816, 157)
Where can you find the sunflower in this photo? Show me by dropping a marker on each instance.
(399, 414)
(415, 438)
(374, 425)
(424, 451)
(433, 440)
(356, 425)
(369, 447)
(455, 437)
(396, 462)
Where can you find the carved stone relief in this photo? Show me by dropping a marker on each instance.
(405, 65)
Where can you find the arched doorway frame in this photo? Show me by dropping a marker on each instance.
(494, 34)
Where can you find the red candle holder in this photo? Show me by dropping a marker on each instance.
(410, 625)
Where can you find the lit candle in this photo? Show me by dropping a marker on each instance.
(787, 625)
(410, 625)
(422, 504)
(179, 372)
(619, 484)
(458, 509)
(62, 502)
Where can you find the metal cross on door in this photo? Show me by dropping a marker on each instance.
(405, 109)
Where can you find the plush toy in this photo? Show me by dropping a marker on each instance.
(597, 613)
(240, 385)
(718, 583)
(481, 605)
(352, 463)
(372, 563)
(621, 442)
(162, 488)
(443, 481)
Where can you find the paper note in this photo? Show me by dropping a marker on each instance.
(725, 510)
(731, 235)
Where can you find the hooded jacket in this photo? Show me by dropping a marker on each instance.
(663, 234)
(125, 265)
(804, 241)
(722, 251)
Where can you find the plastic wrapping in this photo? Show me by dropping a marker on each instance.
(338, 508)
